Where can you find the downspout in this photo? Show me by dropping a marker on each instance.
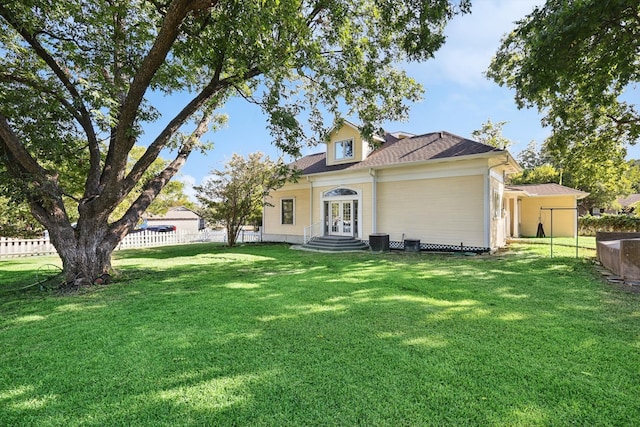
(374, 201)
(310, 201)
(487, 199)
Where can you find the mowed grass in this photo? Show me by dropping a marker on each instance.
(267, 336)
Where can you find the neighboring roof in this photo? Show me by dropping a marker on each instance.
(546, 190)
(629, 200)
(175, 213)
(394, 151)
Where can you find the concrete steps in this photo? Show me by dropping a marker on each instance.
(335, 244)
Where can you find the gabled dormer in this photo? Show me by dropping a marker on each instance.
(346, 145)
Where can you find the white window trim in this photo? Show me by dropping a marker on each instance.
(293, 200)
(497, 204)
(335, 150)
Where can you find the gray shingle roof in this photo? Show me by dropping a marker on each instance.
(548, 190)
(429, 146)
(629, 200)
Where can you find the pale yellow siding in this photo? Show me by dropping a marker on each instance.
(444, 211)
(366, 207)
(317, 199)
(272, 214)
(564, 221)
(360, 147)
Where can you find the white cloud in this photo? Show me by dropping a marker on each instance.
(188, 181)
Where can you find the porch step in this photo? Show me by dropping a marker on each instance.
(335, 244)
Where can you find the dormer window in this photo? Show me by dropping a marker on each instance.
(344, 149)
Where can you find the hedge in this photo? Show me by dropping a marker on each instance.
(588, 225)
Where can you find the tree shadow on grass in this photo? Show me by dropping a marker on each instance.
(305, 339)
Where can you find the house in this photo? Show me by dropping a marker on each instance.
(441, 189)
(182, 218)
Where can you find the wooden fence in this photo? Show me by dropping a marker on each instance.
(25, 247)
(145, 239)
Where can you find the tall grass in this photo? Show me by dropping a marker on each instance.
(263, 335)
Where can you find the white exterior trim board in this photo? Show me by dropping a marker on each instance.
(341, 180)
(430, 174)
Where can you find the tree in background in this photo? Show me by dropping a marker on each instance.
(16, 220)
(543, 174)
(604, 175)
(574, 60)
(532, 157)
(491, 134)
(78, 78)
(235, 196)
(634, 174)
(539, 166)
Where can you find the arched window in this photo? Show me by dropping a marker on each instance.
(340, 192)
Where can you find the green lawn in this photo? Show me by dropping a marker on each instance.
(563, 246)
(268, 336)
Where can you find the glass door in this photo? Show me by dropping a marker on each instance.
(341, 218)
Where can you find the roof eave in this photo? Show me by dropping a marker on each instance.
(578, 196)
(510, 160)
(487, 155)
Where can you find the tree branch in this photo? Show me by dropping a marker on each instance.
(314, 13)
(123, 141)
(621, 122)
(19, 153)
(214, 87)
(82, 115)
(155, 185)
(40, 87)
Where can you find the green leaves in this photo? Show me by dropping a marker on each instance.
(76, 78)
(235, 195)
(573, 60)
(491, 134)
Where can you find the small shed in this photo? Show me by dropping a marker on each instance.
(184, 219)
(534, 204)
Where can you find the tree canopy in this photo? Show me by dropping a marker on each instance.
(605, 175)
(491, 134)
(76, 79)
(574, 60)
(531, 157)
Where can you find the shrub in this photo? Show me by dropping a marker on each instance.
(588, 225)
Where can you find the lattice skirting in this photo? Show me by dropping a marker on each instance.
(435, 247)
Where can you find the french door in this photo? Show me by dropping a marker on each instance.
(341, 218)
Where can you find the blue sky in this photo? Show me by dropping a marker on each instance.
(458, 98)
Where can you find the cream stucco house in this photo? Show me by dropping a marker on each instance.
(439, 188)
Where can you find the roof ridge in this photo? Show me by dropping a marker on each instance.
(394, 151)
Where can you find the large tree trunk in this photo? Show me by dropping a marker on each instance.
(85, 252)
(84, 264)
